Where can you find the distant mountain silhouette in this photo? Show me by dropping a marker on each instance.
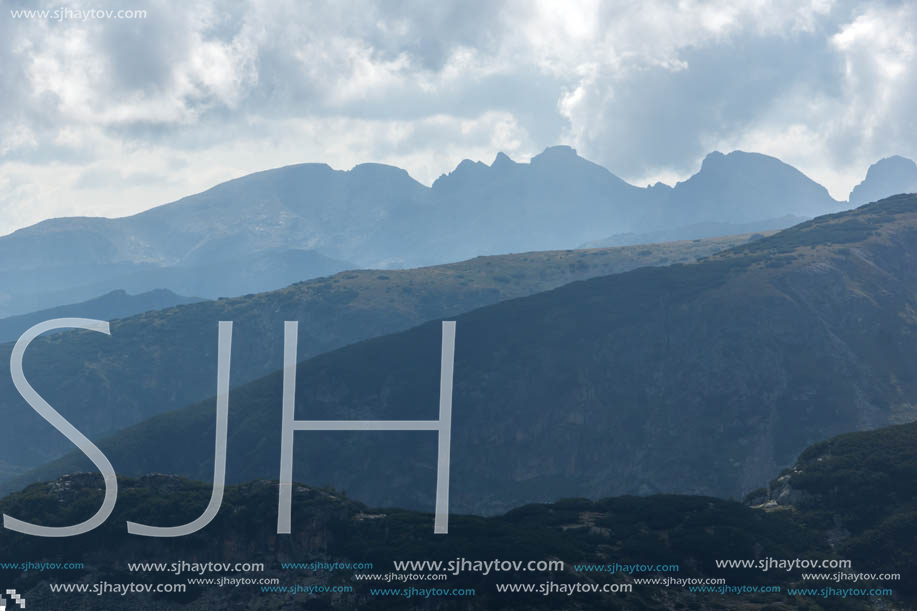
(744, 187)
(889, 176)
(111, 306)
(258, 272)
(272, 228)
(558, 200)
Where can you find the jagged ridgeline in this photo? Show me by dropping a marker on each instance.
(270, 229)
(852, 497)
(704, 378)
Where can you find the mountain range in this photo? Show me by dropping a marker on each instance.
(164, 360)
(272, 228)
(701, 378)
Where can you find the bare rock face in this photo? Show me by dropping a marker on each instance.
(887, 177)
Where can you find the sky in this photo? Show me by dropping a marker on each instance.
(108, 116)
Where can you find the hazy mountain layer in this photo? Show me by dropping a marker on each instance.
(697, 231)
(888, 176)
(111, 306)
(705, 378)
(165, 360)
(268, 229)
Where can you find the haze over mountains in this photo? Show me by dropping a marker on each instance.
(696, 231)
(111, 306)
(163, 360)
(704, 378)
(887, 176)
(269, 229)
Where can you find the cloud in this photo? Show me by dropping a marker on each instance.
(104, 178)
(111, 116)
